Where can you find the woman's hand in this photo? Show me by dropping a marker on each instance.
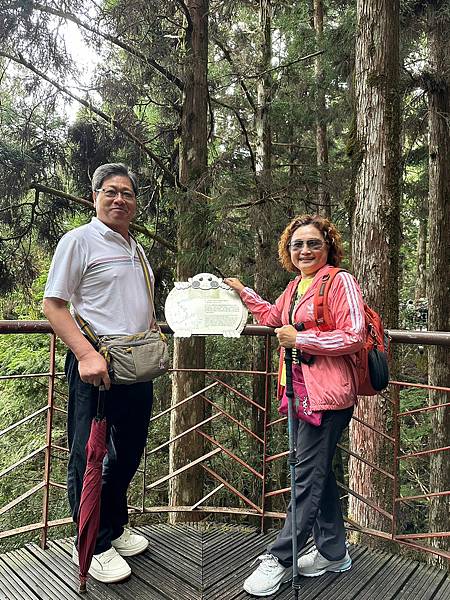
(286, 336)
(234, 284)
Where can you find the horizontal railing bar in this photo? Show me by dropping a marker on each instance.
(24, 420)
(183, 433)
(210, 509)
(62, 448)
(231, 455)
(423, 536)
(22, 461)
(227, 414)
(426, 338)
(385, 435)
(24, 496)
(232, 488)
(175, 406)
(422, 386)
(182, 469)
(276, 456)
(423, 452)
(422, 548)
(366, 501)
(240, 394)
(210, 370)
(55, 484)
(277, 492)
(423, 496)
(34, 527)
(399, 336)
(420, 410)
(365, 461)
(24, 376)
(280, 420)
(214, 491)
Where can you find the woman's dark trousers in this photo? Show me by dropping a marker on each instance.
(318, 505)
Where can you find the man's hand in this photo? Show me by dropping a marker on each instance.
(286, 336)
(93, 369)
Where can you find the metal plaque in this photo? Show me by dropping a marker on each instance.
(205, 305)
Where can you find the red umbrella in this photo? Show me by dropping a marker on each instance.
(89, 511)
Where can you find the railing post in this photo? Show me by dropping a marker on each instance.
(396, 462)
(267, 403)
(48, 441)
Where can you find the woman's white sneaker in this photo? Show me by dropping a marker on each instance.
(267, 578)
(107, 567)
(314, 564)
(129, 543)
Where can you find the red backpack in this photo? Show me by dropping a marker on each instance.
(372, 360)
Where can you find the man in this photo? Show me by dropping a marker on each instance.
(97, 269)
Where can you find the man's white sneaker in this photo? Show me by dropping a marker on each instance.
(268, 577)
(129, 543)
(314, 564)
(107, 567)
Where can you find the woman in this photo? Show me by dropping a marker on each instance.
(310, 246)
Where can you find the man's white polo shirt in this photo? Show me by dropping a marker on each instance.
(100, 274)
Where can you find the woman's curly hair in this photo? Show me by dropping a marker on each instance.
(330, 233)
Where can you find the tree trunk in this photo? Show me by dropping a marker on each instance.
(375, 235)
(265, 248)
(187, 488)
(420, 291)
(439, 257)
(324, 199)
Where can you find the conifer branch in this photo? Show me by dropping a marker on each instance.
(114, 40)
(19, 59)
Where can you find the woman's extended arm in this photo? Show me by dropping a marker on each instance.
(264, 312)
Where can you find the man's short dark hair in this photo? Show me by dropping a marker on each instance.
(109, 170)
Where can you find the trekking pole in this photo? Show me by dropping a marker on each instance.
(292, 460)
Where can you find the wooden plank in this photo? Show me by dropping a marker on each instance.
(59, 562)
(43, 583)
(443, 592)
(422, 584)
(12, 587)
(394, 575)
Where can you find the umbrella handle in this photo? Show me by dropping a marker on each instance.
(292, 461)
(101, 403)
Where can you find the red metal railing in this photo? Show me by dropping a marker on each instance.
(253, 502)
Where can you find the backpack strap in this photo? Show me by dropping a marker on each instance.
(322, 317)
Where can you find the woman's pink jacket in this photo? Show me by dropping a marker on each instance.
(331, 379)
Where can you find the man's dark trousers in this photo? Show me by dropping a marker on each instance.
(127, 411)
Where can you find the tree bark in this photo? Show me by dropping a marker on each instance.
(264, 250)
(323, 193)
(375, 235)
(421, 281)
(187, 488)
(439, 257)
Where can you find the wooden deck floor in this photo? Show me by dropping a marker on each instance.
(210, 563)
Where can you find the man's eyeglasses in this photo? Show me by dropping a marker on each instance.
(111, 194)
(312, 245)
